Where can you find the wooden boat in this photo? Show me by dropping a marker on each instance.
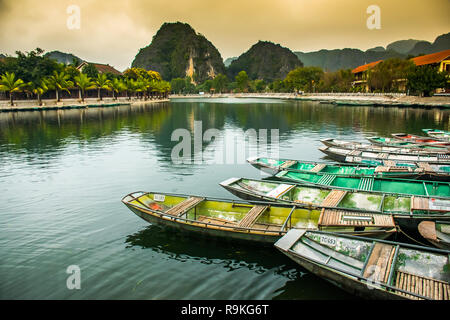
(261, 222)
(370, 183)
(352, 145)
(436, 232)
(418, 139)
(360, 156)
(355, 103)
(392, 142)
(438, 134)
(408, 211)
(369, 268)
(390, 170)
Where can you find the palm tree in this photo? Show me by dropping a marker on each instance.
(9, 83)
(117, 86)
(83, 83)
(102, 82)
(38, 89)
(60, 82)
(131, 86)
(142, 86)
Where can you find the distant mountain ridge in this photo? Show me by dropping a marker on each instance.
(265, 60)
(332, 60)
(61, 57)
(228, 61)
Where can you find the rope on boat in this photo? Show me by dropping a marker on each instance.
(399, 229)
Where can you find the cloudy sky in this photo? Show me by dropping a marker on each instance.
(113, 31)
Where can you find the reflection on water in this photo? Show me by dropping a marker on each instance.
(63, 173)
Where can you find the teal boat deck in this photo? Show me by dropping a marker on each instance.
(370, 183)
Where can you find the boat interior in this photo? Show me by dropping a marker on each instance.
(412, 273)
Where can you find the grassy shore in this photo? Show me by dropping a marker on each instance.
(396, 100)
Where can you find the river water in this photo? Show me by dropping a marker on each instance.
(63, 174)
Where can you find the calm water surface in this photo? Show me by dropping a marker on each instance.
(63, 174)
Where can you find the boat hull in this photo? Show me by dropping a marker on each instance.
(343, 281)
(205, 231)
(407, 223)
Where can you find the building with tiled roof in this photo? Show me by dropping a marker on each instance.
(101, 68)
(439, 59)
(361, 75)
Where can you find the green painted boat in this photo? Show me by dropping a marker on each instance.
(408, 211)
(370, 183)
(436, 232)
(352, 145)
(373, 269)
(392, 142)
(411, 171)
(354, 103)
(260, 222)
(438, 134)
(360, 156)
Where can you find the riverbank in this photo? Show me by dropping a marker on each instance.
(395, 100)
(27, 105)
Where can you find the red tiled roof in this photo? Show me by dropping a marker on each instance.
(431, 58)
(102, 68)
(366, 67)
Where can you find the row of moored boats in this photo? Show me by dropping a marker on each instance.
(334, 219)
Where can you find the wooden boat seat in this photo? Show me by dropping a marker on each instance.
(318, 167)
(287, 164)
(426, 204)
(418, 203)
(333, 198)
(215, 220)
(179, 209)
(427, 287)
(251, 216)
(382, 169)
(426, 166)
(354, 153)
(379, 263)
(335, 218)
(389, 163)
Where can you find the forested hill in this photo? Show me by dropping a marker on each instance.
(265, 60)
(61, 57)
(332, 60)
(177, 51)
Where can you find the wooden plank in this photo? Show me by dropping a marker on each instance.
(388, 267)
(288, 163)
(426, 166)
(425, 286)
(333, 198)
(379, 260)
(389, 163)
(382, 169)
(184, 206)
(253, 215)
(318, 167)
(354, 153)
(215, 220)
(335, 217)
